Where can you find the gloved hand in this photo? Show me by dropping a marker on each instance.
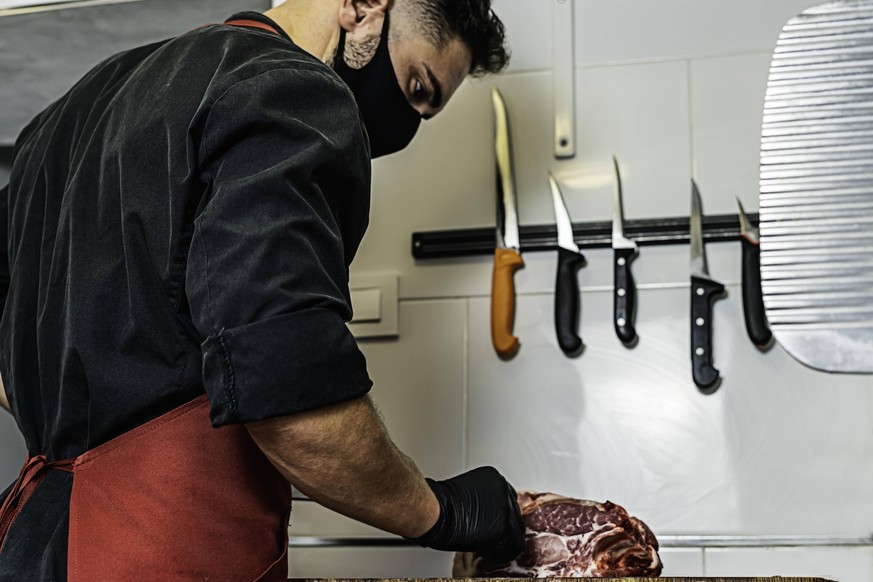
(478, 513)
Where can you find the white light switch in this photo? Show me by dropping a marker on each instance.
(367, 305)
(375, 305)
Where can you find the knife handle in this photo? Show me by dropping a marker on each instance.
(624, 306)
(703, 294)
(753, 296)
(567, 301)
(506, 263)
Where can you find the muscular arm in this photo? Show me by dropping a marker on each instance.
(342, 457)
(292, 138)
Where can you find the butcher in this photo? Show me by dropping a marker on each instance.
(173, 343)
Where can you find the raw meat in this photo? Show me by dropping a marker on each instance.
(571, 538)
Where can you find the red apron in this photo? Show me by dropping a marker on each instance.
(172, 499)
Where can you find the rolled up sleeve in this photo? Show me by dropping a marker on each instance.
(267, 276)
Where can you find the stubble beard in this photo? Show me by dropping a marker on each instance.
(359, 53)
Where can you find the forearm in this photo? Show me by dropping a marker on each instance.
(342, 457)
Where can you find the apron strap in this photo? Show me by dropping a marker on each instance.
(31, 476)
(253, 24)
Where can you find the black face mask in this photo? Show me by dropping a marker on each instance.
(390, 119)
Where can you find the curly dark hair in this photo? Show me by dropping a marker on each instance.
(471, 21)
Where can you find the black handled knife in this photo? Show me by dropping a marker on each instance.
(566, 284)
(753, 295)
(704, 292)
(624, 251)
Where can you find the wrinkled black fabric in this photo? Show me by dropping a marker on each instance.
(36, 546)
(479, 512)
(183, 219)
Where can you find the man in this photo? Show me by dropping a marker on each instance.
(184, 219)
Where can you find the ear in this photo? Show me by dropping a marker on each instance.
(362, 18)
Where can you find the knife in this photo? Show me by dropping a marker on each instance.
(507, 255)
(624, 251)
(753, 296)
(704, 292)
(566, 284)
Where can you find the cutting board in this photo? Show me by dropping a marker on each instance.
(771, 579)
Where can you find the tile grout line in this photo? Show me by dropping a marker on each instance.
(640, 61)
(703, 559)
(587, 290)
(465, 431)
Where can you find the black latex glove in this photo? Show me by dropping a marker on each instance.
(478, 513)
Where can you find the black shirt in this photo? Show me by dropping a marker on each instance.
(183, 219)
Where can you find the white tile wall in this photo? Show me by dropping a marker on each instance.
(619, 30)
(612, 31)
(674, 89)
(727, 106)
(681, 562)
(528, 30)
(638, 113)
(760, 456)
(842, 564)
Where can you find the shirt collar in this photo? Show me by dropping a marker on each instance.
(257, 16)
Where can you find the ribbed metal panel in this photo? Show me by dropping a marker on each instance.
(816, 203)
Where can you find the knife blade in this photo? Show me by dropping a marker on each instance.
(507, 255)
(566, 282)
(704, 292)
(753, 295)
(624, 251)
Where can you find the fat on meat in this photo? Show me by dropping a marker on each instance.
(572, 538)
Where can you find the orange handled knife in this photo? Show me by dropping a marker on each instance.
(507, 256)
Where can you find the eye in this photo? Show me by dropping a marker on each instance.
(419, 92)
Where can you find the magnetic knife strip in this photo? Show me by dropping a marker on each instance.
(646, 232)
